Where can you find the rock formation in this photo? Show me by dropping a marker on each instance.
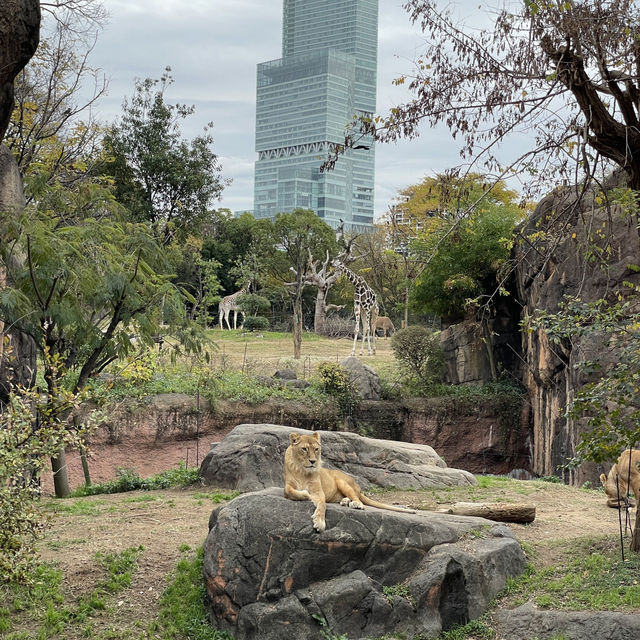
(364, 380)
(269, 576)
(582, 247)
(251, 458)
(19, 37)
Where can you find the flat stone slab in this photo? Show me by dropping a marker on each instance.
(528, 622)
(251, 458)
(270, 576)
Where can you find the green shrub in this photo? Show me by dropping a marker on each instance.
(418, 349)
(335, 381)
(256, 323)
(130, 480)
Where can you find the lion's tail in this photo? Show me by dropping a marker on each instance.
(370, 502)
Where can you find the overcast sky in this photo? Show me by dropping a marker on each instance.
(213, 47)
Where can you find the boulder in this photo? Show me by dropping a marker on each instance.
(269, 576)
(527, 622)
(285, 374)
(364, 379)
(251, 457)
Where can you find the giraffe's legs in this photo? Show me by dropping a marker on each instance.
(355, 331)
(366, 331)
(226, 317)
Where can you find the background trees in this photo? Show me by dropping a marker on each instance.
(159, 177)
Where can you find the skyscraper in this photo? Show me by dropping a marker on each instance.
(327, 74)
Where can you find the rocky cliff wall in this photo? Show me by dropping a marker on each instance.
(162, 431)
(572, 246)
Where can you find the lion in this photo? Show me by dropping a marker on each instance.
(626, 469)
(385, 324)
(306, 479)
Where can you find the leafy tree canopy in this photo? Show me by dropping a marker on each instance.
(464, 235)
(159, 177)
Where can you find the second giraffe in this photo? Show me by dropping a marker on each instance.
(365, 307)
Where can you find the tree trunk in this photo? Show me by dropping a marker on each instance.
(635, 540)
(499, 511)
(297, 327)
(320, 314)
(60, 477)
(85, 467)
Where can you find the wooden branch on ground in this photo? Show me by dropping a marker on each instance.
(499, 511)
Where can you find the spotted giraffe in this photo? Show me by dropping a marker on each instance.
(365, 307)
(227, 305)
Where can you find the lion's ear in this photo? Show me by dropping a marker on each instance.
(316, 435)
(603, 478)
(294, 437)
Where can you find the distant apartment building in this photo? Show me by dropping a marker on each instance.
(305, 99)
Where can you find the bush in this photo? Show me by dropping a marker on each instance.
(338, 327)
(419, 350)
(335, 381)
(256, 323)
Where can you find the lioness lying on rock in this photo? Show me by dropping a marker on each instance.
(305, 479)
(627, 470)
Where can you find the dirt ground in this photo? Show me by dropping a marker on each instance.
(164, 521)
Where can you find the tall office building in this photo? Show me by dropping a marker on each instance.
(327, 74)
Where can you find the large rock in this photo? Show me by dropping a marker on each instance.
(573, 246)
(19, 37)
(269, 576)
(251, 457)
(364, 380)
(528, 622)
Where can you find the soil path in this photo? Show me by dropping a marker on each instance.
(165, 521)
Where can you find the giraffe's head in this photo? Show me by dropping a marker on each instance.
(337, 264)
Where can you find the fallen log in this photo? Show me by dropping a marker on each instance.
(499, 511)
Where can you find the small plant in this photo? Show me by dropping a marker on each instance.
(398, 590)
(130, 480)
(418, 349)
(182, 612)
(335, 381)
(256, 323)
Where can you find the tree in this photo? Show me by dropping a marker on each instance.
(300, 234)
(608, 335)
(46, 134)
(159, 177)
(562, 75)
(82, 290)
(465, 236)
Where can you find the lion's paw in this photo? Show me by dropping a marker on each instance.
(356, 504)
(345, 502)
(319, 524)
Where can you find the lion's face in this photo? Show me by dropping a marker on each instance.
(306, 450)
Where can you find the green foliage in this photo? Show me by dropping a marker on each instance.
(182, 611)
(130, 480)
(609, 398)
(418, 349)
(466, 235)
(253, 304)
(590, 577)
(476, 630)
(255, 323)
(25, 445)
(159, 177)
(335, 381)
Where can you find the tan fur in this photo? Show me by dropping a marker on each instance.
(306, 479)
(621, 469)
(385, 324)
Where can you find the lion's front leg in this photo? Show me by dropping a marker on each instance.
(296, 494)
(318, 499)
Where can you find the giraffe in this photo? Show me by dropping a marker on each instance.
(229, 304)
(365, 306)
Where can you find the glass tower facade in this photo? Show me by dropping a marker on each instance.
(305, 99)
